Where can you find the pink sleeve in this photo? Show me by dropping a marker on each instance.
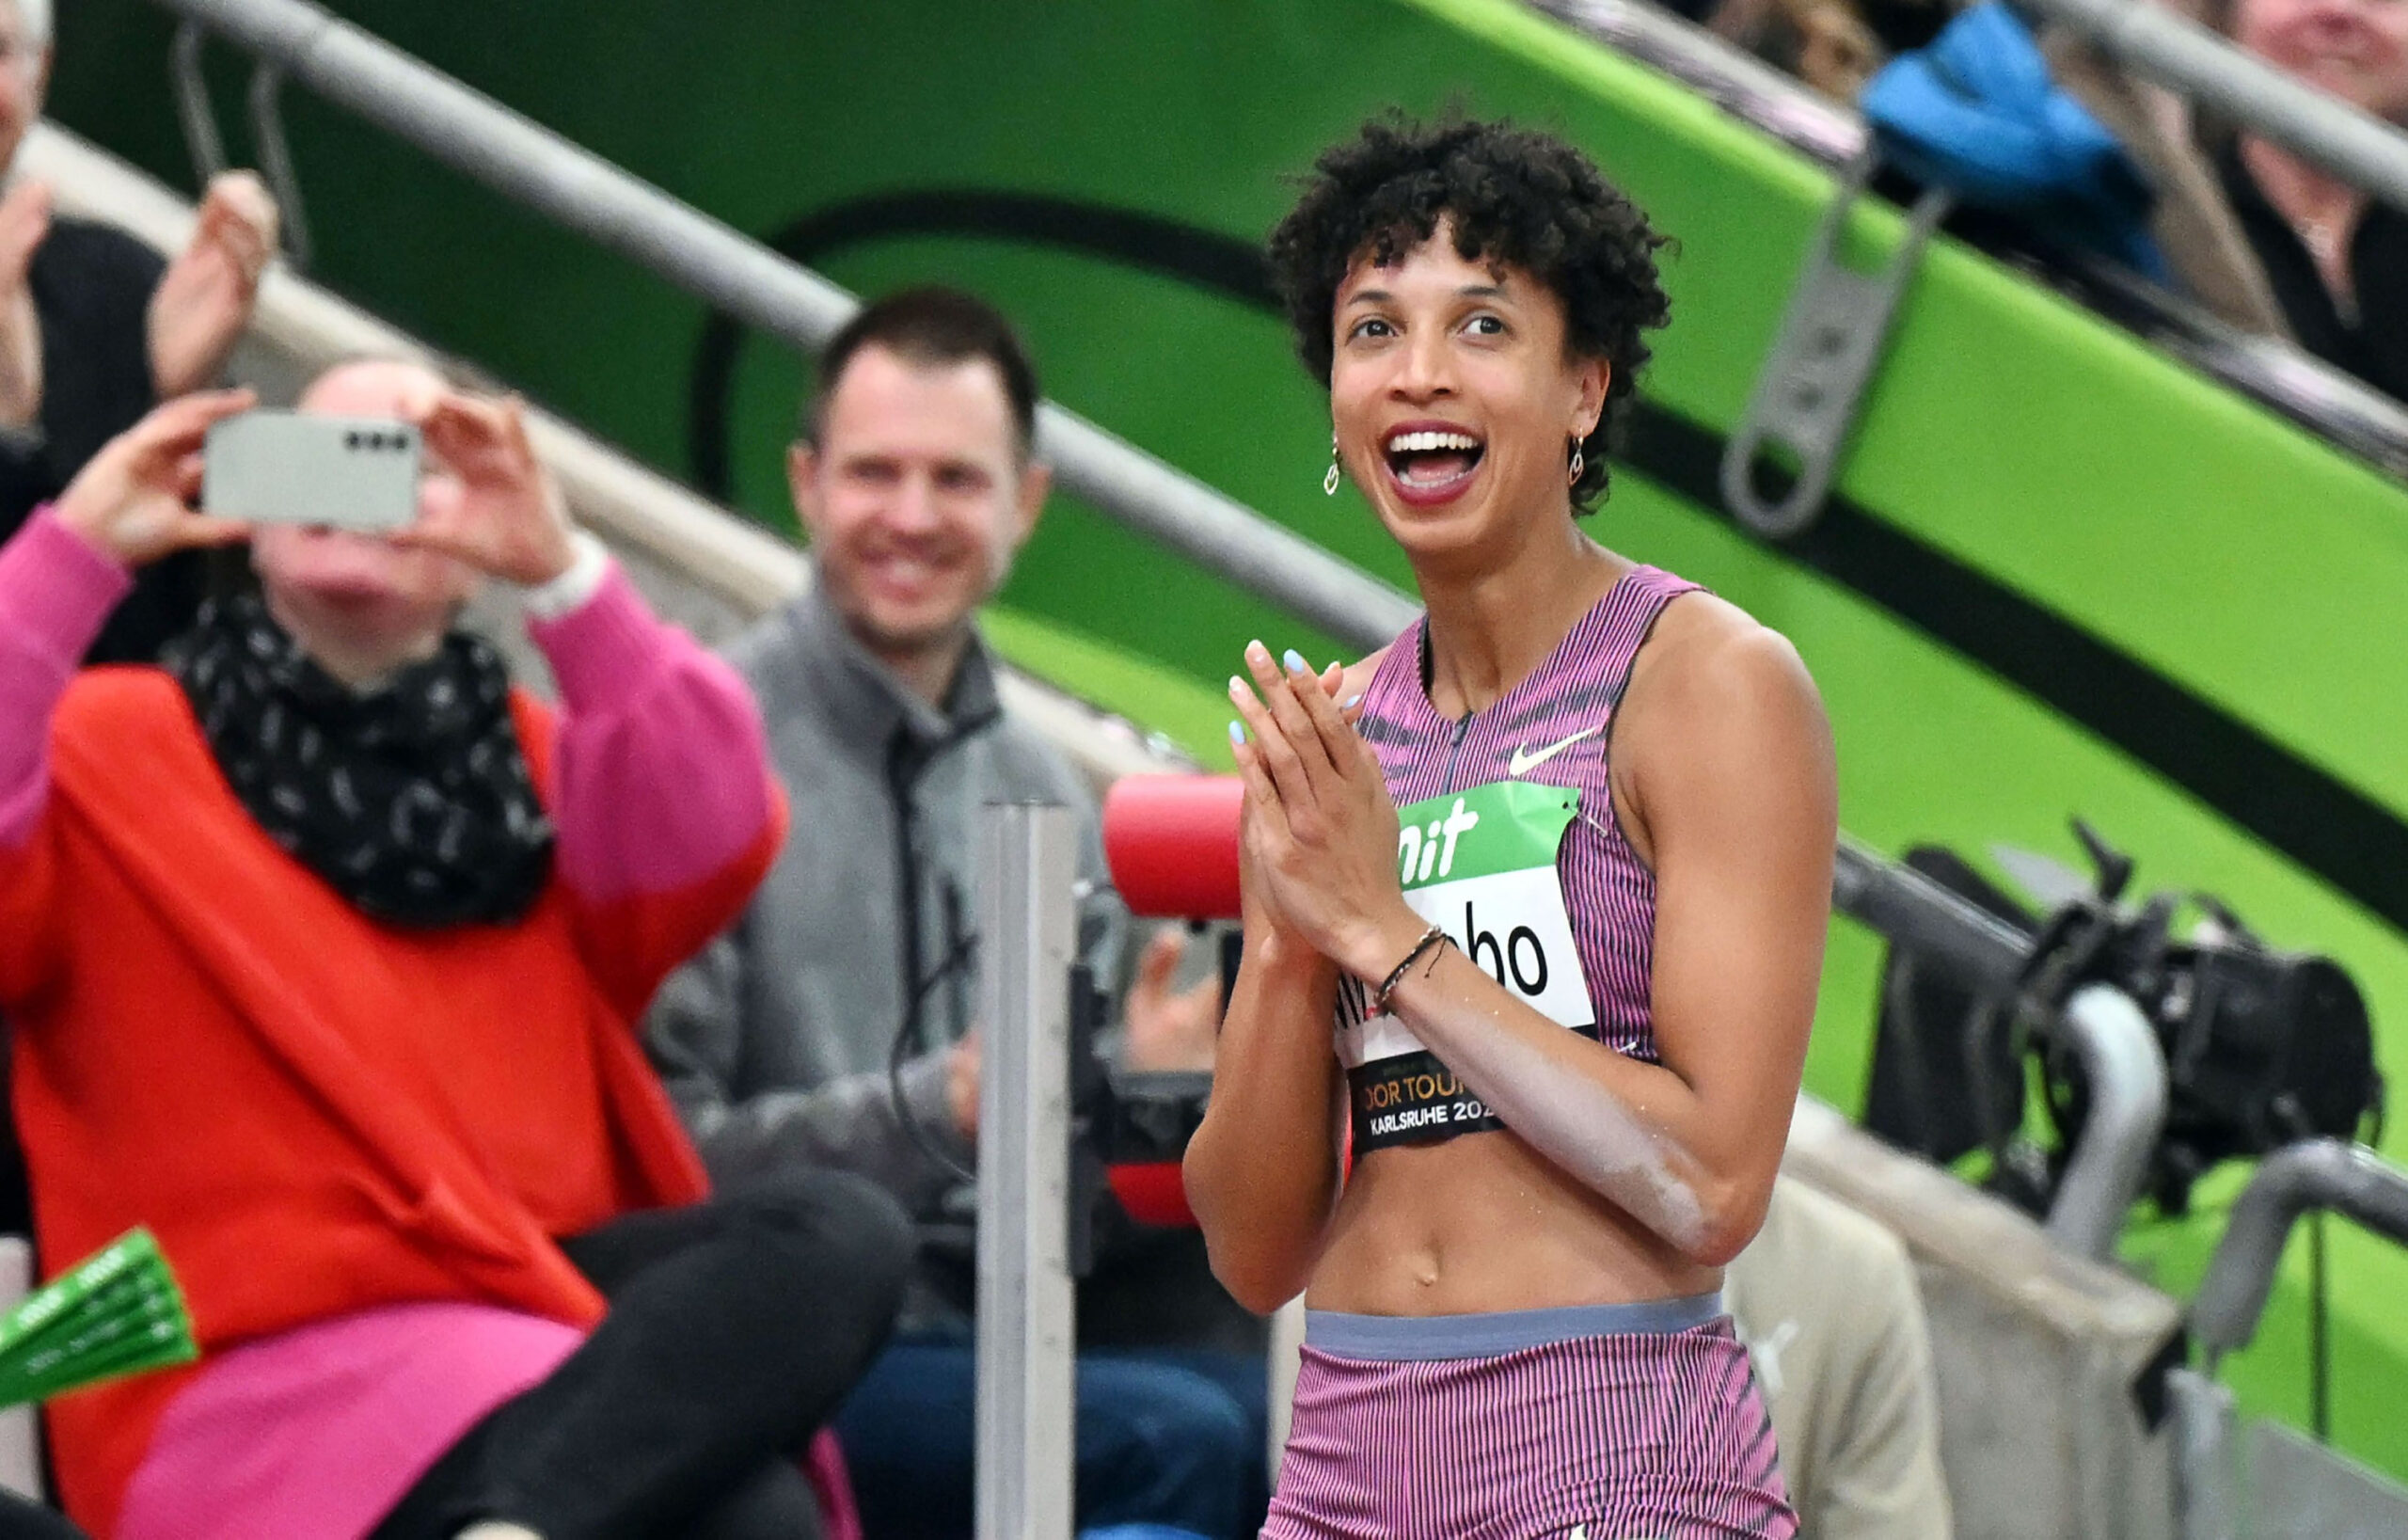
(57, 591)
(663, 772)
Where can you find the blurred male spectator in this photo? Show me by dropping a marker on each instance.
(324, 950)
(1825, 1300)
(786, 1044)
(95, 329)
(2336, 259)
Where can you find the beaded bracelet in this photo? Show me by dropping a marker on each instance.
(1430, 938)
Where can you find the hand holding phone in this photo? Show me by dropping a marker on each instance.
(490, 502)
(132, 498)
(496, 508)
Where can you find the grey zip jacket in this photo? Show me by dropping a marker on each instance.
(774, 1041)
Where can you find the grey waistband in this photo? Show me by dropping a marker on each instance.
(1413, 1338)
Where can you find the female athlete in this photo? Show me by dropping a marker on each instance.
(1556, 863)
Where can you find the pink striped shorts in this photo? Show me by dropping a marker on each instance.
(1605, 1422)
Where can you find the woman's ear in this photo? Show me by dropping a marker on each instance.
(1595, 378)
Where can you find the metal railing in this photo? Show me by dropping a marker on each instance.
(1927, 919)
(2215, 1502)
(2177, 53)
(2313, 1175)
(265, 102)
(2124, 1067)
(533, 166)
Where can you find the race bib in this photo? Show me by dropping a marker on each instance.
(1480, 865)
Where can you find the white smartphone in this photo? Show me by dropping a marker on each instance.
(290, 467)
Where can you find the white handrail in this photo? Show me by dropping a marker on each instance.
(532, 165)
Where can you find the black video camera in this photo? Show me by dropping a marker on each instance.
(2262, 1047)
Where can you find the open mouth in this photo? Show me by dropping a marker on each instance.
(1432, 462)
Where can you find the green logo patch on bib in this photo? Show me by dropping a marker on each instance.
(1480, 865)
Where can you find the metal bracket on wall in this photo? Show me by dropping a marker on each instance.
(208, 147)
(1829, 343)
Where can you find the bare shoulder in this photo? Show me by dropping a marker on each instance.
(1711, 667)
(1720, 718)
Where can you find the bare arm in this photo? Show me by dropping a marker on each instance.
(1263, 1171)
(1730, 770)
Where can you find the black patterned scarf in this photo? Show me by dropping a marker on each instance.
(413, 799)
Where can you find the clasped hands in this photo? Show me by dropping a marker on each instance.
(1318, 837)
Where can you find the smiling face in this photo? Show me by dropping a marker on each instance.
(2358, 49)
(1455, 402)
(915, 498)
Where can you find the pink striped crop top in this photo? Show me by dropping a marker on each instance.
(1509, 842)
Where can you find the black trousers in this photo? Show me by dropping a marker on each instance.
(23, 1520)
(735, 1327)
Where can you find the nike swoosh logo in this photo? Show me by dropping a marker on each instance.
(1523, 761)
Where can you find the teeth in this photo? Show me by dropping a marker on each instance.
(1410, 443)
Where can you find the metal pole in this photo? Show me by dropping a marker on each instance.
(2125, 1070)
(2153, 41)
(1922, 917)
(2207, 1481)
(2347, 1178)
(1028, 858)
(191, 86)
(532, 165)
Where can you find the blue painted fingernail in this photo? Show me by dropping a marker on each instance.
(1353, 701)
(1294, 660)
(1236, 735)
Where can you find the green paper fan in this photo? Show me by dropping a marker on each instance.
(118, 1312)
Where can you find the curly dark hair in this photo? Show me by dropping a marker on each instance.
(1511, 197)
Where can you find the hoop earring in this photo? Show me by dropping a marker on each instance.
(1578, 465)
(1329, 481)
